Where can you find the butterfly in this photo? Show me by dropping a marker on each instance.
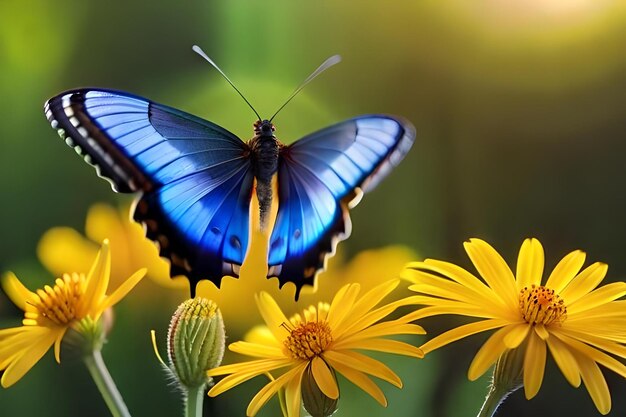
(196, 179)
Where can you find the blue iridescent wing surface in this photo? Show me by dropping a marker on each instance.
(320, 177)
(195, 177)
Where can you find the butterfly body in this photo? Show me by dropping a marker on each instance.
(195, 180)
(265, 150)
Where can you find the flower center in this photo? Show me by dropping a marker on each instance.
(59, 303)
(308, 339)
(540, 305)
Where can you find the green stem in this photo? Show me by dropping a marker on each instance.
(194, 401)
(103, 380)
(495, 397)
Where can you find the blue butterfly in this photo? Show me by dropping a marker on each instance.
(196, 179)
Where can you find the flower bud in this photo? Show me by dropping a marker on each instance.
(88, 335)
(314, 400)
(196, 341)
(508, 374)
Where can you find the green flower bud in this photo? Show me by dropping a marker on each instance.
(87, 335)
(195, 341)
(508, 374)
(314, 400)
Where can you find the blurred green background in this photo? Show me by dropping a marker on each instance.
(520, 109)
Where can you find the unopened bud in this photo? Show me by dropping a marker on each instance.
(196, 341)
(87, 335)
(314, 400)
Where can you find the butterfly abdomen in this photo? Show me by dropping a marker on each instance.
(265, 149)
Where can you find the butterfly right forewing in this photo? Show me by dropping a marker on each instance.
(319, 179)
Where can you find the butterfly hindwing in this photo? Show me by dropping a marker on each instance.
(318, 177)
(195, 176)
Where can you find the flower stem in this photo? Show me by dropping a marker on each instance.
(101, 376)
(194, 401)
(495, 397)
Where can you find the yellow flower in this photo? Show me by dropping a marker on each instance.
(51, 311)
(368, 268)
(581, 325)
(322, 340)
(63, 249)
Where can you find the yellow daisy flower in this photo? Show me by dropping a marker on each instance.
(51, 311)
(579, 324)
(318, 343)
(63, 249)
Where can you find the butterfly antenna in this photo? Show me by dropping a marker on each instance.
(200, 52)
(335, 59)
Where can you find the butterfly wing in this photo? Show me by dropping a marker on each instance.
(195, 177)
(320, 177)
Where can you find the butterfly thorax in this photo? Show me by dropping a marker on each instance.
(264, 149)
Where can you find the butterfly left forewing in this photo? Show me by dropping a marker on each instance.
(195, 177)
(320, 177)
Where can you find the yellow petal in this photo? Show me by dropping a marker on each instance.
(541, 331)
(363, 363)
(453, 307)
(261, 335)
(371, 298)
(8, 359)
(57, 343)
(360, 380)
(29, 357)
(593, 353)
(382, 345)
(602, 295)
(493, 269)
(260, 366)
(363, 306)
(584, 282)
(534, 365)
(472, 286)
(256, 350)
(565, 360)
(488, 354)
(515, 335)
(62, 250)
(17, 292)
(446, 289)
(451, 271)
(97, 281)
(270, 389)
(324, 378)
(231, 381)
(20, 341)
(293, 394)
(11, 331)
(383, 329)
(565, 271)
(342, 305)
(354, 327)
(273, 315)
(461, 332)
(595, 383)
(530, 264)
(123, 289)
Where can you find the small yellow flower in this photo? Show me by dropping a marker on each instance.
(64, 249)
(580, 324)
(368, 268)
(51, 311)
(320, 341)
